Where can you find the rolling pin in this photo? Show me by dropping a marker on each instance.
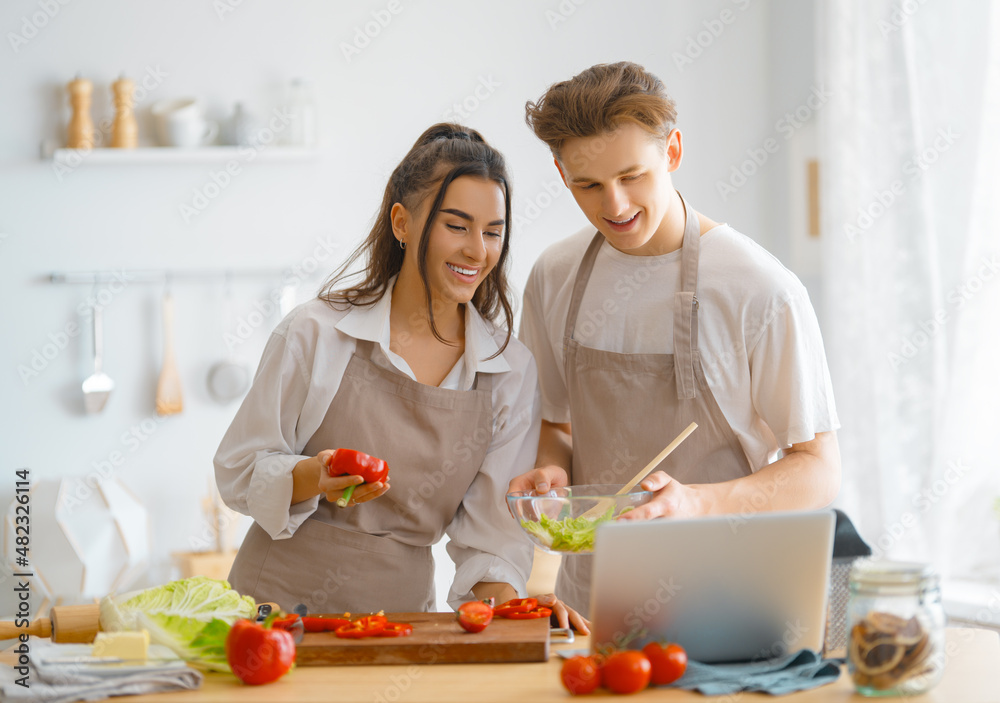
(66, 623)
(77, 623)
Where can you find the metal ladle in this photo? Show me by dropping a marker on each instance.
(98, 386)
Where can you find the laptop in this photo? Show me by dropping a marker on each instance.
(727, 589)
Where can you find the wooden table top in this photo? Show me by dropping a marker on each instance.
(972, 675)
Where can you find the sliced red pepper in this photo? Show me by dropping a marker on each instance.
(317, 624)
(373, 621)
(539, 612)
(354, 631)
(368, 626)
(517, 605)
(287, 622)
(396, 629)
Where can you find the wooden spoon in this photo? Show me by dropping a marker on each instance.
(169, 398)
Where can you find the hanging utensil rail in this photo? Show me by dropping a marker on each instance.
(163, 275)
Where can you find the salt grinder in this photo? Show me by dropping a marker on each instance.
(124, 131)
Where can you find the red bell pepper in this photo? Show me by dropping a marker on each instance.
(349, 462)
(257, 653)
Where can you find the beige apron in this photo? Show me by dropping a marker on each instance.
(626, 407)
(376, 555)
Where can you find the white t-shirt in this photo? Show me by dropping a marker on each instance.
(758, 336)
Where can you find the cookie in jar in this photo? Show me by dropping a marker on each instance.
(896, 628)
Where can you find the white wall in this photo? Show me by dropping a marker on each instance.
(754, 62)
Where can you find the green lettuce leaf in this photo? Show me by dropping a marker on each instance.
(187, 616)
(569, 534)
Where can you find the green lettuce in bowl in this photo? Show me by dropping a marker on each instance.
(565, 520)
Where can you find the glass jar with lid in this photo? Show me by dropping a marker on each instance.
(896, 624)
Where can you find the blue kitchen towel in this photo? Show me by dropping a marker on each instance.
(793, 672)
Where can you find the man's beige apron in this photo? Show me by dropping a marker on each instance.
(376, 555)
(625, 408)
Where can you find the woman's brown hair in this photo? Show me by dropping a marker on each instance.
(598, 100)
(443, 153)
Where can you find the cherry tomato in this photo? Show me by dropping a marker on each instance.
(259, 654)
(626, 672)
(669, 662)
(581, 674)
(475, 615)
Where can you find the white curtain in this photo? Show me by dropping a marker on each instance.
(910, 154)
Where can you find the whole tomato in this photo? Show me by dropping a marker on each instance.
(581, 674)
(669, 662)
(475, 615)
(259, 654)
(626, 672)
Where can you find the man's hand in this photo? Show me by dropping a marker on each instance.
(672, 499)
(539, 480)
(807, 477)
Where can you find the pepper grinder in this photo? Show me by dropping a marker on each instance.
(80, 134)
(124, 131)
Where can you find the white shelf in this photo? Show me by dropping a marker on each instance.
(175, 155)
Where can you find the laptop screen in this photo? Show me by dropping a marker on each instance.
(730, 588)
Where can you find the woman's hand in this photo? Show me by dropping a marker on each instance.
(333, 486)
(565, 615)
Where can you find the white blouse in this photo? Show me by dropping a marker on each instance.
(298, 377)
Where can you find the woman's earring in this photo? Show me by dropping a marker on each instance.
(402, 244)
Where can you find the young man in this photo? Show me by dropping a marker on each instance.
(656, 317)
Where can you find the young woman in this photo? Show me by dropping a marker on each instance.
(408, 365)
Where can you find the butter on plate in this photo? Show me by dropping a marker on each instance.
(129, 646)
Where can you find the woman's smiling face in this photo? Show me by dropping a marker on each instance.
(465, 239)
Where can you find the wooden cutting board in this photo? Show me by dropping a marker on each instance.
(437, 639)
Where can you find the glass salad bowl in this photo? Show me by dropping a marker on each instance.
(565, 520)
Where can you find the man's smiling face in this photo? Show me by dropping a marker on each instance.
(621, 181)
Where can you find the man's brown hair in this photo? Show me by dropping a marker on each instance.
(599, 100)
